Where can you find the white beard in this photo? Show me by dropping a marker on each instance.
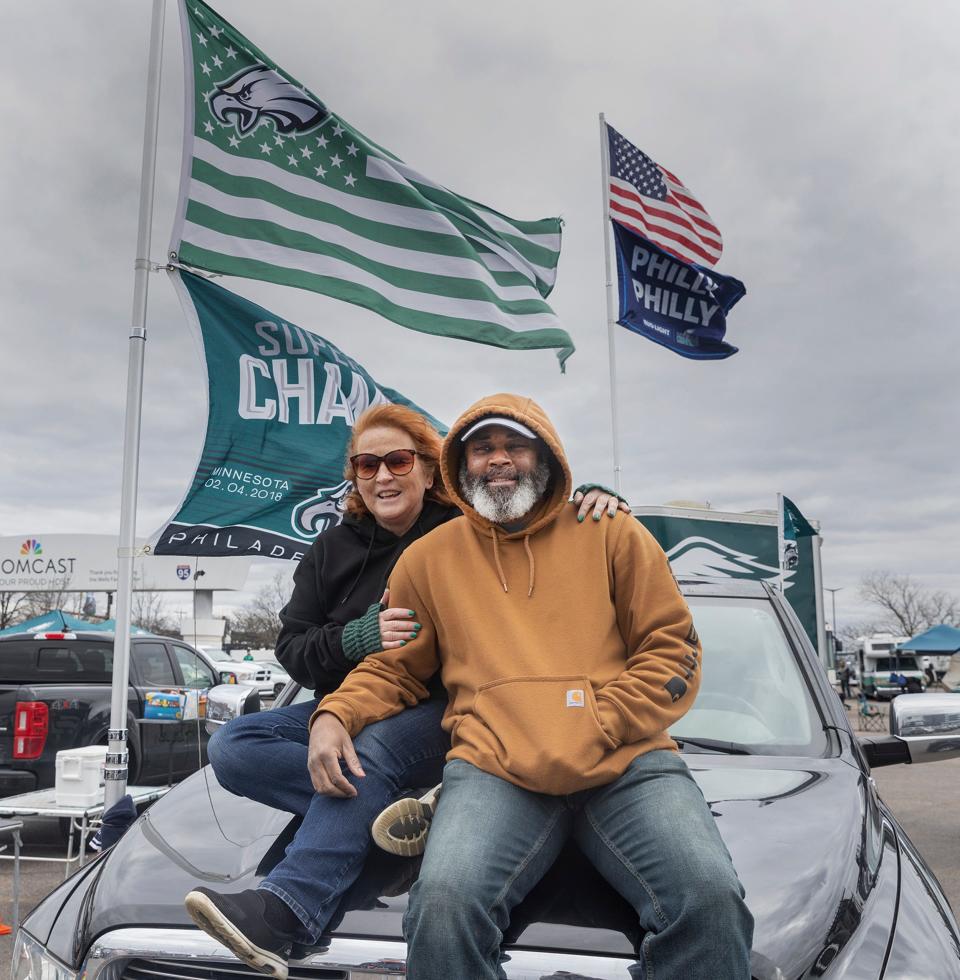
(503, 505)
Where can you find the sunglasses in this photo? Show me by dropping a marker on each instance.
(399, 463)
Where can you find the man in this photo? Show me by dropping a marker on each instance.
(565, 658)
(846, 675)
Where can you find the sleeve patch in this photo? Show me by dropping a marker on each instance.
(676, 688)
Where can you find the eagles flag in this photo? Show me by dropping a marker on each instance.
(679, 305)
(278, 187)
(791, 526)
(282, 402)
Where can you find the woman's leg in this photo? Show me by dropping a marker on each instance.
(273, 742)
(329, 849)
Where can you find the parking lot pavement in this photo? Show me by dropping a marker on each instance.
(925, 800)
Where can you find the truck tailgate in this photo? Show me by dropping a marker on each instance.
(9, 695)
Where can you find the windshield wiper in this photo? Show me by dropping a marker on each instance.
(713, 745)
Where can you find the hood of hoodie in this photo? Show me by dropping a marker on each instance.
(529, 413)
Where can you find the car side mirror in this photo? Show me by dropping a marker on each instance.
(929, 724)
(228, 701)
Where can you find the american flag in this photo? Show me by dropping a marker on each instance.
(651, 201)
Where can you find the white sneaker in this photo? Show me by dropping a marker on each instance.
(403, 826)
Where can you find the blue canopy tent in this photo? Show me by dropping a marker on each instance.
(941, 640)
(58, 621)
(52, 622)
(110, 626)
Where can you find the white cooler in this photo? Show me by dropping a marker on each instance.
(80, 775)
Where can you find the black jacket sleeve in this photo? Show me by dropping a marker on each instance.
(309, 645)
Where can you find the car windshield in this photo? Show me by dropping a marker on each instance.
(752, 692)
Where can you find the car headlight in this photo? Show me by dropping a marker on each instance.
(32, 962)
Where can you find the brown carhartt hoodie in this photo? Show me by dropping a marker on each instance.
(566, 651)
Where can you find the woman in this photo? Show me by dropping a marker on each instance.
(338, 614)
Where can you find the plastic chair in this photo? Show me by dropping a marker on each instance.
(869, 717)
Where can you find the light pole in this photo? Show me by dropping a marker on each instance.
(833, 619)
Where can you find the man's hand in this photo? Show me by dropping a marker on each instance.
(329, 743)
(396, 625)
(599, 501)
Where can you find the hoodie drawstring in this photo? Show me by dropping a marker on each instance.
(531, 563)
(496, 559)
(529, 551)
(363, 568)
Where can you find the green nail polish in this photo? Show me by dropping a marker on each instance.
(403, 643)
(596, 517)
(413, 636)
(580, 518)
(417, 626)
(411, 613)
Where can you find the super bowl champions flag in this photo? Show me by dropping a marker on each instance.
(277, 187)
(282, 402)
(666, 245)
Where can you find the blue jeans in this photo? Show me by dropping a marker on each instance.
(649, 833)
(263, 757)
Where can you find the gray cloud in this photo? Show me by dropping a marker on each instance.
(821, 138)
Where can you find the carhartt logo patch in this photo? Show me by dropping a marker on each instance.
(575, 698)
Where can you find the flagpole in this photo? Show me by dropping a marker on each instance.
(115, 772)
(611, 316)
(781, 538)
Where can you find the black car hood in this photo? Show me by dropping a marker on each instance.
(804, 834)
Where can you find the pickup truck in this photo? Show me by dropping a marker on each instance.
(55, 692)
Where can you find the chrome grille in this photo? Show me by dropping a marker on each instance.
(192, 969)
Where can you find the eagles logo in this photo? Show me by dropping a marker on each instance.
(262, 93)
(692, 636)
(324, 510)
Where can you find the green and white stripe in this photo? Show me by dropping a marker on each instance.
(328, 210)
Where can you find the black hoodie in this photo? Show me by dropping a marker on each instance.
(339, 578)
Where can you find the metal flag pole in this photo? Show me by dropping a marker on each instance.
(611, 315)
(115, 773)
(780, 539)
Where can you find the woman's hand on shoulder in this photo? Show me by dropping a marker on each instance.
(598, 500)
(397, 626)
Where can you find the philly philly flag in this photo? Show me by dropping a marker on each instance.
(282, 402)
(277, 187)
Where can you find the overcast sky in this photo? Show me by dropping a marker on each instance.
(823, 139)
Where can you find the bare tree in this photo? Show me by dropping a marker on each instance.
(11, 608)
(38, 603)
(147, 611)
(906, 608)
(257, 623)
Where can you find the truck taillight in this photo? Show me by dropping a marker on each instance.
(31, 720)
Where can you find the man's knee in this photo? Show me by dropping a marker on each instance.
(715, 903)
(442, 903)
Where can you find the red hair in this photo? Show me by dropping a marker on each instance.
(426, 441)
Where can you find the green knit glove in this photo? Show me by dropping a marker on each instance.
(584, 487)
(362, 635)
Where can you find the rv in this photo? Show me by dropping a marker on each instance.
(878, 657)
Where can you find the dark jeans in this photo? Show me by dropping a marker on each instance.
(650, 833)
(263, 757)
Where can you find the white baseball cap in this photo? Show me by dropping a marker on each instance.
(498, 420)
